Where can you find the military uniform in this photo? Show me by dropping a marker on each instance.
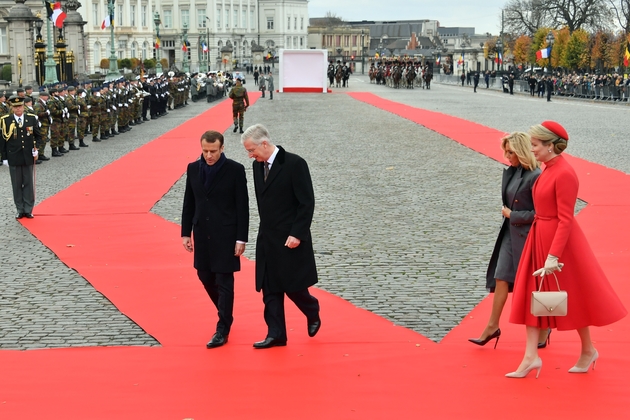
(73, 117)
(20, 136)
(83, 116)
(240, 102)
(43, 116)
(96, 104)
(56, 108)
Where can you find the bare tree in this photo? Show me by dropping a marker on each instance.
(621, 8)
(332, 19)
(527, 16)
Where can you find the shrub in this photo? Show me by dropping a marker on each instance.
(6, 72)
(104, 63)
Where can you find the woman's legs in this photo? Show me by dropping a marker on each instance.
(588, 350)
(498, 302)
(531, 348)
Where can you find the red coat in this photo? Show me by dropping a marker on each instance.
(592, 301)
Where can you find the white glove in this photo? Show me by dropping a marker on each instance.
(79, 111)
(5, 162)
(48, 111)
(114, 108)
(65, 110)
(51, 120)
(551, 265)
(89, 106)
(130, 101)
(108, 110)
(126, 105)
(114, 95)
(35, 153)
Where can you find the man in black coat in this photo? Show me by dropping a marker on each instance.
(216, 210)
(285, 262)
(20, 135)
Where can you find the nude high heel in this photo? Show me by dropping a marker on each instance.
(536, 364)
(593, 360)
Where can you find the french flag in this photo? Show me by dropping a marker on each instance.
(204, 47)
(544, 53)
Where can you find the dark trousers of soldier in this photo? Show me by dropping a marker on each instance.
(56, 135)
(71, 127)
(41, 145)
(23, 187)
(238, 112)
(81, 125)
(95, 124)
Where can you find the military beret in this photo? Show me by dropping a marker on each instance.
(16, 101)
(556, 129)
(27, 87)
(19, 90)
(28, 99)
(71, 88)
(96, 89)
(80, 90)
(52, 90)
(44, 93)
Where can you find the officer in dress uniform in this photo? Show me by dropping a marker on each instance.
(20, 135)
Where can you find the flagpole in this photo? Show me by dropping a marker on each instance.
(113, 60)
(51, 67)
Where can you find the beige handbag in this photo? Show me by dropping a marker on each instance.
(549, 303)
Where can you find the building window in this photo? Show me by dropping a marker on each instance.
(354, 40)
(346, 40)
(301, 41)
(144, 16)
(295, 23)
(338, 41)
(122, 49)
(244, 17)
(289, 23)
(145, 48)
(167, 19)
(201, 18)
(301, 24)
(323, 41)
(95, 18)
(218, 18)
(252, 21)
(227, 17)
(118, 20)
(133, 16)
(185, 16)
(288, 42)
(269, 23)
(134, 50)
(330, 41)
(295, 42)
(97, 53)
(235, 17)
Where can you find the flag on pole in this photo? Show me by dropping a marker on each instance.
(544, 53)
(157, 43)
(439, 58)
(185, 46)
(106, 23)
(498, 58)
(204, 47)
(626, 56)
(461, 59)
(55, 13)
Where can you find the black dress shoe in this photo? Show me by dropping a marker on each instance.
(73, 147)
(479, 342)
(217, 340)
(43, 158)
(313, 327)
(63, 150)
(28, 215)
(269, 342)
(19, 215)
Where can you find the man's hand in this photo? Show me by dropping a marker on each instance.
(239, 248)
(292, 242)
(188, 245)
(506, 212)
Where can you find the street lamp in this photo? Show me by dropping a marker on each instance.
(362, 52)
(40, 51)
(185, 42)
(157, 22)
(208, 43)
(339, 53)
(113, 60)
(51, 67)
(550, 40)
(500, 52)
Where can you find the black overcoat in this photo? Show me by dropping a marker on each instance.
(520, 220)
(217, 217)
(18, 144)
(286, 203)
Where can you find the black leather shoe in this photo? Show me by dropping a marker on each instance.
(235, 128)
(269, 342)
(313, 327)
(19, 215)
(73, 147)
(28, 215)
(145, 119)
(56, 153)
(479, 342)
(217, 340)
(43, 158)
(63, 150)
(96, 139)
(82, 144)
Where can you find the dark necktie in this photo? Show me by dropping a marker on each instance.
(266, 170)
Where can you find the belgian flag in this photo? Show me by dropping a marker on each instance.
(626, 55)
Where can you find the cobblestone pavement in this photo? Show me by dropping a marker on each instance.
(405, 219)
(44, 303)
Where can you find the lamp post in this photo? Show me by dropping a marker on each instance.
(51, 67)
(208, 42)
(40, 51)
(500, 52)
(113, 60)
(550, 40)
(339, 54)
(157, 22)
(185, 66)
(362, 52)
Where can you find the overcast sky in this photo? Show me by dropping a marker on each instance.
(484, 16)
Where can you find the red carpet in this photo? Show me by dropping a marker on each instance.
(359, 366)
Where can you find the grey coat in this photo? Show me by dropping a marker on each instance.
(520, 220)
(270, 86)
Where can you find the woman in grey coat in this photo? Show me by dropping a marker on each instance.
(270, 86)
(518, 215)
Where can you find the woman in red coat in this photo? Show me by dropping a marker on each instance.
(557, 244)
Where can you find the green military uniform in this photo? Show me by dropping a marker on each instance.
(43, 115)
(83, 116)
(96, 104)
(56, 108)
(73, 117)
(240, 102)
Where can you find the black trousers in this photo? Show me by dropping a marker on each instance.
(220, 288)
(274, 310)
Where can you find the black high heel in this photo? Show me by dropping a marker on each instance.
(496, 334)
(547, 341)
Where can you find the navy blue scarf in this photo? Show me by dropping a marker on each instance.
(207, 172)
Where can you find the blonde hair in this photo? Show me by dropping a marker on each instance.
(547, 137)
(520, 143)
